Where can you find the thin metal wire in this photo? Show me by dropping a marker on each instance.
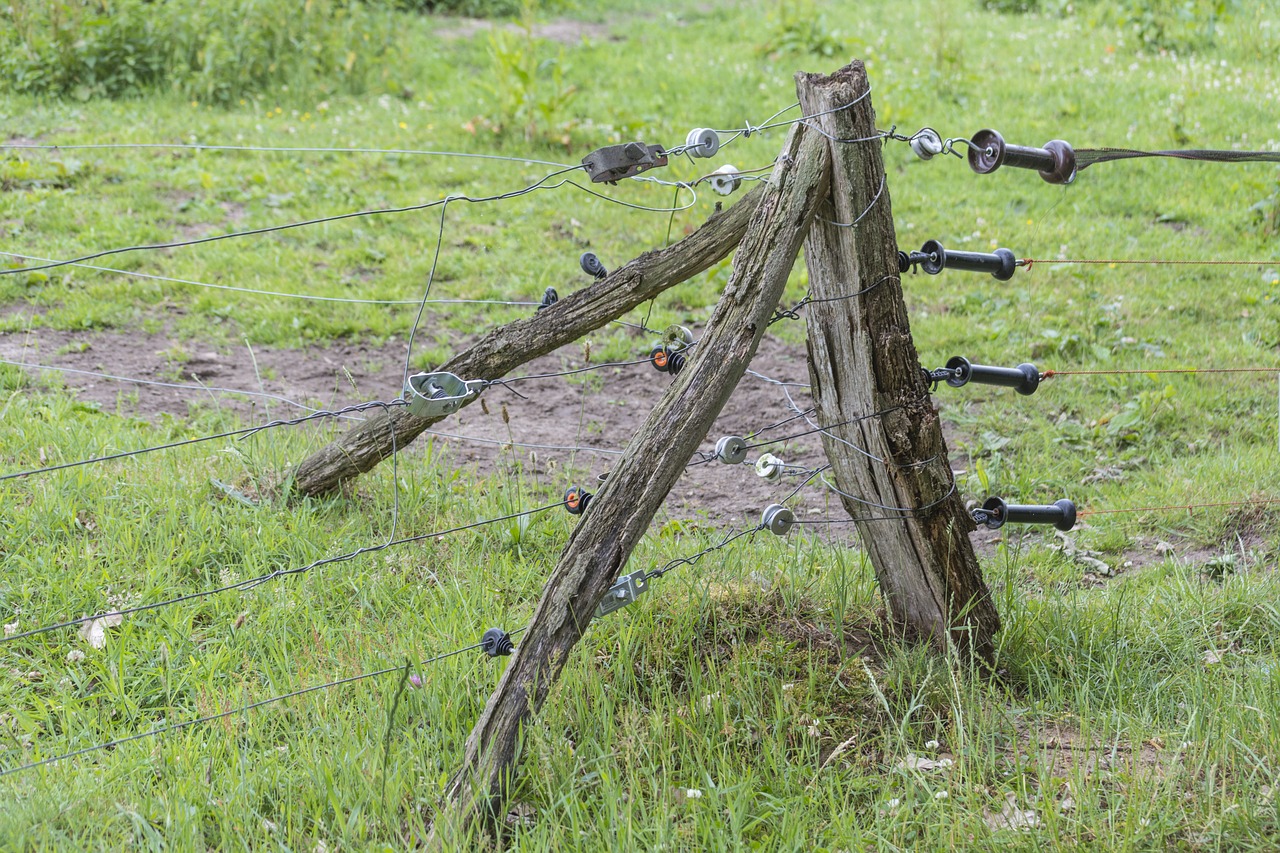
(1179, 507)
(1049, 374)
(690, 560)
(293, 149)
(540, 184)
(863, 215)
(251, 583)
(906, 511)
(244, 431)
(111, 744)
(426, 293)
(503, 443)
(304, 296)
(1030, 262)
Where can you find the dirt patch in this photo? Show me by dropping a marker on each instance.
(1064, 751)
(564, 31)
(560, 427)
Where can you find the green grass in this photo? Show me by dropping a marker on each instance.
(1130, 713)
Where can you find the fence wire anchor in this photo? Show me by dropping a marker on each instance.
(624, 592)
(994, 513)
(777, 519)
(731, 450)
(549, 298)
(612, 163)
(1056, 161)
(496, 642)
(933, 259)
(1025, 378)
(434, 395)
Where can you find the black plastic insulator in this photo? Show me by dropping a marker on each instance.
(1056, 161)
(995, 513)
(576, 500)
(591, 265)
(549, 298)
(934, 259)
(1024, 378)
(496, 642)
(666, 360)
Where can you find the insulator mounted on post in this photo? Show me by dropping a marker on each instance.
(496, 642)
(549, 298)
(576, 500)
(624, 592)
(1024, 378)
(731, 450)
(933, 259)
(1056, 161)
(995, 513)
(667, 359)
(591, 265)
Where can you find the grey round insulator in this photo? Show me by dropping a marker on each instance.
(725, 180)
(769, 467)
(731, 450)
(926, 144)
(702, 142)
(677, 337)
(778, 519)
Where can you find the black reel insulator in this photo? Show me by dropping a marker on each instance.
(576, 500)
(995, 513)
(591, 265)
(1024, 378)
(667, 360)
(496, 643)
(933, 259)
(1056, 161)
(549, 298)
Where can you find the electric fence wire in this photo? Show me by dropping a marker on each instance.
(179, 386)
(243, 431)
(540, 184)
(194, 146)
(201, 388)
(221, 715)
(690, 560)
(251, 583)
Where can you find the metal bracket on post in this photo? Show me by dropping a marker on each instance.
(612, 163)
(434, 395)
(623, 592)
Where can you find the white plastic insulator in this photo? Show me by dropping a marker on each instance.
(926, 143)
(769, 467)
(725, 180)
(702, 142)
(731, 450)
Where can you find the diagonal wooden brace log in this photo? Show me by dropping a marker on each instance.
(363, 446)
(639, 482)
(862, 359)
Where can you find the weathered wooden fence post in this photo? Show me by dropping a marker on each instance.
(862, 360)
(640, 481)
(363, 446)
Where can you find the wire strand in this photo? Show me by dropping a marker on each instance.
(111, 744)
